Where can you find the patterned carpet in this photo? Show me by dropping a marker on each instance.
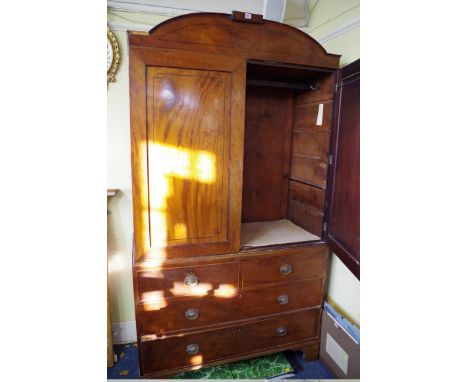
(290, 365)
(256, 368)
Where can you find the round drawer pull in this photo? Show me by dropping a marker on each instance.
(281, 331)
(191, 279)
(192, 314)
(283, 299)
(192, 349)
(285, 269)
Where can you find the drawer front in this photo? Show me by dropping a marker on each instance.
(197, 348)
(198, 280)
(188, 313)
(282, 298)
(296, 265)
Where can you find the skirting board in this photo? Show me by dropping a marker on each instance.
(124, 332)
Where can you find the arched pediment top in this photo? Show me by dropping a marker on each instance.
(217, 33)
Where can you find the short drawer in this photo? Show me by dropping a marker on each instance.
(282, 298)
(288, 265)
(176, 352)
(200, 280)
(187, 313)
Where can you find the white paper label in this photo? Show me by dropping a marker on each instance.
(248, 16)
(337, 353)
(320, 115)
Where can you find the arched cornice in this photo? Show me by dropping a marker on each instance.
(217, 33)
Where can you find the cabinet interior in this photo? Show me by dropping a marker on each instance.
(287, 132)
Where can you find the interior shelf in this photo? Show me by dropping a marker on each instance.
(259, 234)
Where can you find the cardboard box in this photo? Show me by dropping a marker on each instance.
(340, 345)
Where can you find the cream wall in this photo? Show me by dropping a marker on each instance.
(119, 217)
(326, 17)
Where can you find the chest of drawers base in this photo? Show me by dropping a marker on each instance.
(309, 348)
(211, 310)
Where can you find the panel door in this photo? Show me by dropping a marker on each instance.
(189, 153)
(344, 197)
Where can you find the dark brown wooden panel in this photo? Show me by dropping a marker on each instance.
(344, 196)
(305, 263)
(268, 119)
(303, 193)
(171, 353)
(309, 170)
(305, 207)
(311, 143)
(306, 217)
(305, 116)
(323, 94)
(282, 72)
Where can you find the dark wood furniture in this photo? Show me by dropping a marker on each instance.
(230, 127)
(344, 232)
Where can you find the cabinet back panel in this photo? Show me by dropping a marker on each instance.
(268, 122)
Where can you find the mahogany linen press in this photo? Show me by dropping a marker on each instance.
(241, 184)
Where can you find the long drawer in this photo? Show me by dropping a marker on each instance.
(197, 280)
(188, 313)
(175, 352)
(193, 312)
(286, 265)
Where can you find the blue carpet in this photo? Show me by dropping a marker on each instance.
(127, 365)
(307, 369)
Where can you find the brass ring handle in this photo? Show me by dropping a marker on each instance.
(191, 279)
(192, 314)
(281, 331)
(283, 299)
(192, 349)
(285, 269)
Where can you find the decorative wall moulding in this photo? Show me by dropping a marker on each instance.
(147, 8)
(349, 25)
(127, 26)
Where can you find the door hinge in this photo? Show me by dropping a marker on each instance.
(330, 159)
(324, 226)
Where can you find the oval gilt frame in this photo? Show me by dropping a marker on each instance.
(115, 57)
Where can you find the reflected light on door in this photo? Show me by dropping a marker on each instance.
(182, 163)
(180, 289)
(153, 301)
(225, 291)
(196, 360)
(165, 163)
